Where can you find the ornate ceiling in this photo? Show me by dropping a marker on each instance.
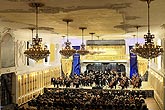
(110, 19)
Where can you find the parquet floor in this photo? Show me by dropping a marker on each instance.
(151, 104)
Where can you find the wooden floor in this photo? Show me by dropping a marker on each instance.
(151, 104)
(145, 86)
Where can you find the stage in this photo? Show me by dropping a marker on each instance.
(145, 87)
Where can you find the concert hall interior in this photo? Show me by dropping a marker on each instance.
(82, 55)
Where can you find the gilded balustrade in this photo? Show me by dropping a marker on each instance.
(32, 84)
(105, 57)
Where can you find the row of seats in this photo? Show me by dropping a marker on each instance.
(89, 99)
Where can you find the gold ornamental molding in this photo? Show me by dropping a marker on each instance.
(105, 57)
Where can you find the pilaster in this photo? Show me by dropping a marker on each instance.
(163, 55)
(0, 91)
(163, 92)
(0, 52)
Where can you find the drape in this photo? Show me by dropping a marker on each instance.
(133, 63)
(66, 66)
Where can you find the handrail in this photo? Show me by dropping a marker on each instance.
(159, 72)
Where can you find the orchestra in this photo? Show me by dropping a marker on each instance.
(111, 79)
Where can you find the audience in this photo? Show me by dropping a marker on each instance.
(62, 97)
(89, 99)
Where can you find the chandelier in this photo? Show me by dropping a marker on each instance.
(82, 50)
(99, 50)
(136, 44)
(148, 50)
(36, 51)
(67, 51)
(92, 51)
(63, 44)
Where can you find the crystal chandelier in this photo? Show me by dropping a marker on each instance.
(99, 51)
(82, 50)
(63, 44)
(136, 44)
(92, 51)
(67, 51)
(36, 51)
(148, 50)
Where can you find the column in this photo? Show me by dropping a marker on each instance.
(0, 90)
(20, 88)
(163, 68)
(0, 71)
(163, 55)
(163, 93)
(14, 88)
(0, 51)
(163, 63)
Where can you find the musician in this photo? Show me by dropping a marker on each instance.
(67, 82)
(76, 82)
(115, 82)
(60, 81)
(97, 78)
(122, 83)
(111, 84)
(136, 81)
(126, 79)
(57, 82)
(54, 81)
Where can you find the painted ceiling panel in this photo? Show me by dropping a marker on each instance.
(104, 17)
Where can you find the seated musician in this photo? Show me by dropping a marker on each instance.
(111, 84)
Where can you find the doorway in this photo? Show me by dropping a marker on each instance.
(106, 67)
(8, 88)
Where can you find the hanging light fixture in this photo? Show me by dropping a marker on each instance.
(32, 30)
(63, 44)
(136, 44)
(99, 51)
(82, 50)
(92, 51)
(67, 51)
(148, 50)
(36, 52)
(137, 35)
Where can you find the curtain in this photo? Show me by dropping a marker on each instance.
(133, 63)
(66, 66)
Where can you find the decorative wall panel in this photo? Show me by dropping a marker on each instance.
(19, 52)
(52, 52)
(7, 51)
(32, 84)
(156, 81)
(66, 66)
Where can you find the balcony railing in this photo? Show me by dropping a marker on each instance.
(105, 57)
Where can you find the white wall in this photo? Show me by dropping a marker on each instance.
(24, 36)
